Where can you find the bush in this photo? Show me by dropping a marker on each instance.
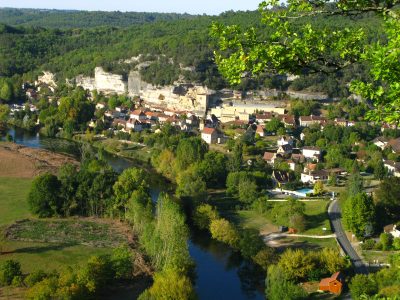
(386, 240)
(122, 262)
(17, 281)
(35, 277)
(396, 243)
(368, 244)
(8, 271)
(204, 215)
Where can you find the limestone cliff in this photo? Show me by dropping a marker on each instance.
(107, 83)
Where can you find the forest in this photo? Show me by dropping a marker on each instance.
(168, 44)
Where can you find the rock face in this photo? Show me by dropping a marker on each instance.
(180, 97)
(47, 78)
(103, 82)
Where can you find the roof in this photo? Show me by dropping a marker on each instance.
(388, 228)
(137, 112)
(208, 130)
(395, 144)
(336, 275)
(260, 128)
(268, 155)
(311, 148)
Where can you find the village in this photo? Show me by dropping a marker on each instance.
(292, 145)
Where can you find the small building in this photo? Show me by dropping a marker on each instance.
(333, 284)
(395, 145)
(285, 150)
(306, 121)
(392, 229)
(392, 167)
(313, 153)
(285, 140)
(138, 115)
(101, 105)
(260, 130)
(269, 157)
(314, 176)
(380, 142)
(209, 135)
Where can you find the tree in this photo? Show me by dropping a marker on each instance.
(274, 125)
(130, 180)
(386, 240)
(67, 175)
(331, 260)
(204, 215)
(170, 285)
(235, 161)
(248, 190)
(122, 261)
(362, 286)
(319, 188)
(4, 113)
(190, 184)
(250, 243)
(44, 196)
(379, 170)
(280, 287)
(8, 271)
(6, 92)
(140, 210)
(296, 263)
(213, 169)
(225, 232)
(387, 198)
(189, 151)
(295, 44)
(359, 215)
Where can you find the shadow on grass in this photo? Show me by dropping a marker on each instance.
(316, 221)
(39, 249)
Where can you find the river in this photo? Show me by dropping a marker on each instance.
(220, 273)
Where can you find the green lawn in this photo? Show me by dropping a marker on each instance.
(13, 203)
(48, 256)
(317, 218)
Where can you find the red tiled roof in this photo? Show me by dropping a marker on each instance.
(208, 130)
(268, 155)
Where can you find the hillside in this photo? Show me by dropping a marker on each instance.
(67, 19)
(169, 49)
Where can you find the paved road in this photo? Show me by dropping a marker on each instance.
(336, 223)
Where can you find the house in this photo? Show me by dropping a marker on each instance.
(395, 145)
(210, 135)
(292, 164)
(31, 94)
(333, 284)
(285, 149)
(138, 115)
(134, 125)
(264, 118)
(260, 130)
(269, 157)
(392, 167)
(112, 114)
(284, 140)
(392, 229)
(287, 120)
(380, 142)
(306, 121)
(119, 123)
(153, 116)
(313, 153)
(298, 158)
(314, 176)
(341, 122)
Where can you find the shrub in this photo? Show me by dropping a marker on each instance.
(396, 243)
(386, 240)
(368, 244)
(8, 271)
(204, 215)
(35, 277)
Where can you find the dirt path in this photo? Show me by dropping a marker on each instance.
(17, 161)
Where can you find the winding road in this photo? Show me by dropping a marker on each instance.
(336, 224)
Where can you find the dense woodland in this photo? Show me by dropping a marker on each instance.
(168, 43)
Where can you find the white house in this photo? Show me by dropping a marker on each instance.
(284, 140)
(100, 105)
(392, 167)
(314, 176)
(311, 152)
(209, 135)
(380, 142)
(134, 125)
(260, 130)
(392, 229)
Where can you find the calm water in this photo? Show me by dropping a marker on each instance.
(220, 273)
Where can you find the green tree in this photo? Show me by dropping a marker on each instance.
(274, 125)
(362, 286)
(122, 261)
(204, 215)
(280, 287)
(189, 151)
(386, 240)
(387, 198)
(296, 263)
(4, 113)
(140, 210)
(222, 230)
(44, 196)
(319, 188)
(213, 169)
(6, 92)
(130, 180)
(8, 271)
(359, 214)
(379, 170)
(170, 285)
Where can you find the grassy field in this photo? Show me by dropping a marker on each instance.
(13, 195)
(317, 218)
(128, 150)
(33, 255)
